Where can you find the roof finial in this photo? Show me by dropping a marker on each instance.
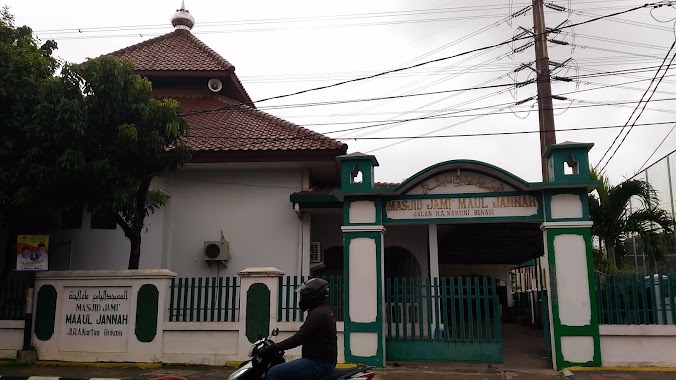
(182, 19)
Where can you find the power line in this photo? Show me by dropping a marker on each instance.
(414, 73)
(258, 30)
(426, 62)
(459, 114)
(337, 102)
(360, 78)
(447, 77)
(637, 106)
(656, 149)
(286, 20)
(304, 105)
(625, 21)
(319, 137)
(524, 83)
(441, 112)
(291, 20)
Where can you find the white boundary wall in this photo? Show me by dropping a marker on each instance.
(205, 343)
(638, 345)
(11, 338)
(215, 343)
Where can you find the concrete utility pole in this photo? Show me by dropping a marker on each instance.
(545, 109)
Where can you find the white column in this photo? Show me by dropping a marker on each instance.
(433, 265)
(307, 223)
(434, 252)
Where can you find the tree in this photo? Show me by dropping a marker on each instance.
(614, 222)
(25, 65)
(99, 138)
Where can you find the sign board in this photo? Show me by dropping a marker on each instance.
(95, 319)
(460, 182)
(459, 208)
(32, 252)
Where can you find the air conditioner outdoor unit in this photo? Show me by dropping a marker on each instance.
(316, 255)
(216, 250)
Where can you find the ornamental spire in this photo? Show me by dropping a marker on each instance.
(182, 19)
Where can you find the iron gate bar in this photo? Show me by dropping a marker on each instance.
(430, 310)
(664, 308)
(461, 293)
(420, 309)
(396, 308)
(220, 296)
(487, 308)
(444, 306)
(636, 307)
(199, 298)
(672, 290)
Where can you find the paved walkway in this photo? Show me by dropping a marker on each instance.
(394, 371)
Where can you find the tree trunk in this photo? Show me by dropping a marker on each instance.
(135, 252)
(612, 263)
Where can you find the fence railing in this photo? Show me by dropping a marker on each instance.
(529, 292)
(204, 299)
(635, 299)
(444, 309)
(13, 298)
(287, 305)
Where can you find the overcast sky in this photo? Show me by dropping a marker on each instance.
(279, 47)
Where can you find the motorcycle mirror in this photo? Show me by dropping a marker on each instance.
(275, 332)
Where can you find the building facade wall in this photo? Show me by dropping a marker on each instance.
(250, 207)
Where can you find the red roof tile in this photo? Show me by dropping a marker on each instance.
(323, 190)
(222, 124)
(319, 190)
(382, 185)
(178, 50)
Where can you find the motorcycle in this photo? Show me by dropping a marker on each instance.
(256, 367)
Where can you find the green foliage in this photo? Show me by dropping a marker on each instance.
(99, 138)
(614, 222)
(24, 67)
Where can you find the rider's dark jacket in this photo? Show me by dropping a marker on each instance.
(317, 336)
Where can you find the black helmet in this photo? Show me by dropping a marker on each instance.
(313, 293)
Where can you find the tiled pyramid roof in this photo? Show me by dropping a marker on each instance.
(179, 50)
(221, 124)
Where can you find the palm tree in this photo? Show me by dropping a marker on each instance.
(614, 221)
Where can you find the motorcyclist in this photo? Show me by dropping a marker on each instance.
(317, 335)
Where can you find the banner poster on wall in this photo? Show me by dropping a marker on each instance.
(32, 252)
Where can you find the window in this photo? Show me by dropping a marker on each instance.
(71, 218)
(103, 221)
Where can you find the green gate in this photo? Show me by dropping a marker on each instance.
(449, 318)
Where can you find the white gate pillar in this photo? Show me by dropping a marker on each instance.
(363, 233)
(569, 266)
(259, 294)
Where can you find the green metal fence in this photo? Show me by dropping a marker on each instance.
(635, 299)
(13, 297)
(204, 299)
(287, 305)
(450, 318)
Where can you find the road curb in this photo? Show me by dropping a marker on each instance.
(54, 378)
(622, 369)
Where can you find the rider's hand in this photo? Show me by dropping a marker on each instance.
(266, 351)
